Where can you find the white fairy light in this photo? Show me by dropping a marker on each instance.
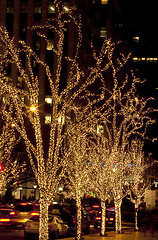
(137, 169)
(49, 167)
(10, 168)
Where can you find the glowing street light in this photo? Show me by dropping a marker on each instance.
(32, 108)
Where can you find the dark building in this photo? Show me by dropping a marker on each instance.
(138, 24)
(132, 22)
(20, 15)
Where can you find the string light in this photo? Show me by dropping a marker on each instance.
(48, 166)
(10, 168)
(122, 117)
(138, 183)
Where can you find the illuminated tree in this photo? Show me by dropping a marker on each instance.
(100, 173)
(123, 115)
(137, 179)
(108, 179)
(82, 95)
(76, 179)
(10, 168)
(44, 144)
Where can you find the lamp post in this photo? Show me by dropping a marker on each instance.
(35, 187)
(32, 108)
(20, 188)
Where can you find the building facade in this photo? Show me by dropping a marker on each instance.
(129, 21)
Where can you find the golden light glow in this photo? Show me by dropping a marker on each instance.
(32, 109)
(10, 168)
(104, 1)
(75, 151)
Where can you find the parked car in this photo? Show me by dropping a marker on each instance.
(57, 228)
(95, 216)
(24, 211)
(69, 215)
(6, 217)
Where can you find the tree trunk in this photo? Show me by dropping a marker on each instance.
(136, 216)
(78, 219)
(103, 218)
(43, 223)
(118, 216)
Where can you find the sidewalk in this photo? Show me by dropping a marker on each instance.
(129, 234)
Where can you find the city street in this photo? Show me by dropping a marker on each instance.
(129, 234)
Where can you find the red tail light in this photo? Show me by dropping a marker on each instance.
(95, 206)
(34, 214)
(12, 213)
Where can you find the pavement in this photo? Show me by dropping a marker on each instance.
(129, 234)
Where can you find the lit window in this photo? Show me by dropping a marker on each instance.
(23, 8)
(103, 32)
(65, 8)
(104, 1)
(51, 9)
(9, 9)
(38, 9)
(136, 39)
(47, 119)
(61, 120)
(50, 45)
(48, 100)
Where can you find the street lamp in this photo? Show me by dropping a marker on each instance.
(35, 187)
(32, 108)
(20, 188)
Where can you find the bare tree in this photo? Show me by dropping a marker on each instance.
(77, 173)
(137, 181)
(47, 156)
(123, 115)
(10, 168)
(100, 173)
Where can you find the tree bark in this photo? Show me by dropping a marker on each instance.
(78, 219)
(118, 216)
(103, 218)
(136, 216)
(43, 223)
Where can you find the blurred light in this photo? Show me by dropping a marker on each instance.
(4, 220)
(32, 109)
(12, 213)
(95, 206)
(48, 100)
